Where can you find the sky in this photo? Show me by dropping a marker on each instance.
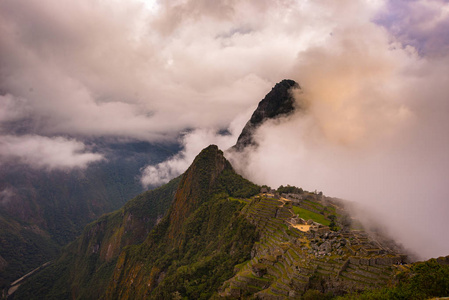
(373, 74)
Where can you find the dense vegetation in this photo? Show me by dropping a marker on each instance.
(23, 247)
(44, 210)
(212, 237)
(86, 265)
(424, 280)
(216, 239)
(289, 189)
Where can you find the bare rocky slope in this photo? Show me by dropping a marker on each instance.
(277, 103)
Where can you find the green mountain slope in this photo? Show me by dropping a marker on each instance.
(23, 246)
(86, 265)
(199, 219)
(420, 280)
(194, 249)
(222, 239)
(40, 211)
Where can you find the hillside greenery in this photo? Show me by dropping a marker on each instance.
(23, 247)
(424, 280)
(83, 272)
(213, 237)
(289, 189)
(213, 229)
(310, 215)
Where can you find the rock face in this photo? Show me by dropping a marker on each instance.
(278, 102)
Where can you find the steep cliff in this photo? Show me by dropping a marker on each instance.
(85, 267)
(278, 102)
(195, 247)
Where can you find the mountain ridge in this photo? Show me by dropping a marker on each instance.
(235, 241)
(180, 239)
(41, 211)
(93, 257)
(224, 237)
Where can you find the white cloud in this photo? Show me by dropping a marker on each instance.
(44, 152)
(6, 195)
(120, 70)
(192, 142)
(374, 132)
(377, 92)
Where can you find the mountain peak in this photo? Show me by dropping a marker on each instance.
(196, 184)
(278, 102)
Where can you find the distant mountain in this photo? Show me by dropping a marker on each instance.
(211, 234)
(278, 102)
(40, 211)
(43, 210)
(85, 267)
(222, 239)
(202, 192)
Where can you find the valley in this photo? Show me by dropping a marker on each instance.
(225, 238)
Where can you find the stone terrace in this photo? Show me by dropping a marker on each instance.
(286, 261)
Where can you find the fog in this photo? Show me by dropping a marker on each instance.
(47, 153)
(373, 77)
(374, 132)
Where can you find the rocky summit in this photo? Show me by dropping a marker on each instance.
(278, 102)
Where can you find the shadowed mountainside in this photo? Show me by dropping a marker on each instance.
(202, 192)
(42, 210)
(278, 102)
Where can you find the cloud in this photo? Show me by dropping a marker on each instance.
(374, 76)
(422, 24)
(374, 132)
(12, 108)
(146, 71)
(192, 142)
(6, 195)
(43, 152)
(118, 69)
(122, 69)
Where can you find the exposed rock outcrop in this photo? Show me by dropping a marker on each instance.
(278, 102)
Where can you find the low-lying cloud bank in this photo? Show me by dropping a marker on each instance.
(44, 152)
(193, 142)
